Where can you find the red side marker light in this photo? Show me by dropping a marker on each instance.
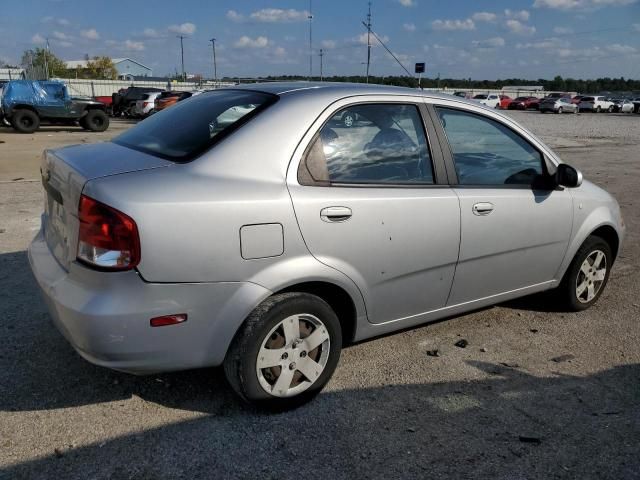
(168, 320)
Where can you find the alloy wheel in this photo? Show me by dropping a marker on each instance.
(591, 276)
(293, 355)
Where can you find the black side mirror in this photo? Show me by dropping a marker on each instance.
(567, 176)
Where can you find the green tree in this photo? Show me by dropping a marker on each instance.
(101, 68)
(38, 56)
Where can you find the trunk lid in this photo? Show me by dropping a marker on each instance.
(64, 174)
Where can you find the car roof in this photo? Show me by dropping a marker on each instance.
(337, 89)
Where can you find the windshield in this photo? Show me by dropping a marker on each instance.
(188, 128)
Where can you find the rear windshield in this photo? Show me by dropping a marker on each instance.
(183, 131)
(587, 99)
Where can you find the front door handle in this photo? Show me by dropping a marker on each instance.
(482, 208)
(335, 214)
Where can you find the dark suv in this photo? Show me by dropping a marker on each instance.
(28, 103)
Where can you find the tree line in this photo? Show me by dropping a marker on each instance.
(558, 84)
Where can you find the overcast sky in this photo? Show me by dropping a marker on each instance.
(482, 40)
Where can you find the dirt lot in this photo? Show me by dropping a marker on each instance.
(537, 393)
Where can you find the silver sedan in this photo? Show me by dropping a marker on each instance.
(251, 227)
(558, 105)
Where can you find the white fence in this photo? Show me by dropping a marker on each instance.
(104, 88)
(99, 88)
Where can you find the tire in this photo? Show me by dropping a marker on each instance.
(610, 109)
(583, 272)
(95, 120)
(25, 121)
(559, 109)
(598, 109)
(265, 325)
(348, 119)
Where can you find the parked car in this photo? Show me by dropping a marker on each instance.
(491, 100)
(461, 94)
(523, 103)
(636, 105)
(558, 105)
(622, 105)
(505, 100)
(146, 104)
(577, 99)
(169, 99)
(596, 104)
(26, 104)
(558, 95)
(123, 102)
(265, 242)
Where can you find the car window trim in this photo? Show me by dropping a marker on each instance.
(435, 155)
(451, 162)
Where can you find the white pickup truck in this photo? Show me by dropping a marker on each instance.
(596, 103)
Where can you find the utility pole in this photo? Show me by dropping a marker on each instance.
(321, 55)
(310, 40)
(368, 41)
(215, 67)
(181, 37)
(46, 61)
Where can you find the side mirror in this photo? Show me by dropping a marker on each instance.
(567, 176)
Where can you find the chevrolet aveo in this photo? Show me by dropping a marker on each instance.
(254, 228)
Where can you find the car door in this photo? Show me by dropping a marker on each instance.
(54, 102)
(515, 224)
(372, 201)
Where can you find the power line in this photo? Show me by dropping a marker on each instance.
(389, 51)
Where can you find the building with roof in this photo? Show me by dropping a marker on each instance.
(127, 68)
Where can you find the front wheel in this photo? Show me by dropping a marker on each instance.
(587, 275)
(598, 109)
(286, 351)
(560, 110)
(95, 120)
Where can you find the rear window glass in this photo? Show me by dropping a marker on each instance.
(188, 128)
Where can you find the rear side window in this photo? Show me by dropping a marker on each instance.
(485, 152)
(369, 144)
(187, 129)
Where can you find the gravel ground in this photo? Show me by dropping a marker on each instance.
(537, 393)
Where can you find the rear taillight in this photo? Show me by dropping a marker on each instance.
(108, 239)
(146, 104)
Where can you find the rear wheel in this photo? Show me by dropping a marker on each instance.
(95, 120)
(587, 275)
(559, 109)
(610, 109)
(25, 121)
(598, 109)
(286, 351)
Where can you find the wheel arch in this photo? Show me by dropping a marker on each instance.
(598, 224)
(337, 298)
(23, 106)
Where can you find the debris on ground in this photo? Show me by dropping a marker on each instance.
(433, 353)
(483, 350)
(534, 330)
(563, 358)
(534, 440)
(462, 343)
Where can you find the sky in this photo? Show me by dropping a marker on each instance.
(494, 39)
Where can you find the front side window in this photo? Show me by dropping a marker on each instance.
(369, 144)
(485, 152)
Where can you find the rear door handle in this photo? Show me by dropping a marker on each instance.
(335, 214)
(482, 208)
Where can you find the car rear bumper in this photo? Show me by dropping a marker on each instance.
(105, 315)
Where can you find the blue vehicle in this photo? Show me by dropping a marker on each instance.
(25, 104)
